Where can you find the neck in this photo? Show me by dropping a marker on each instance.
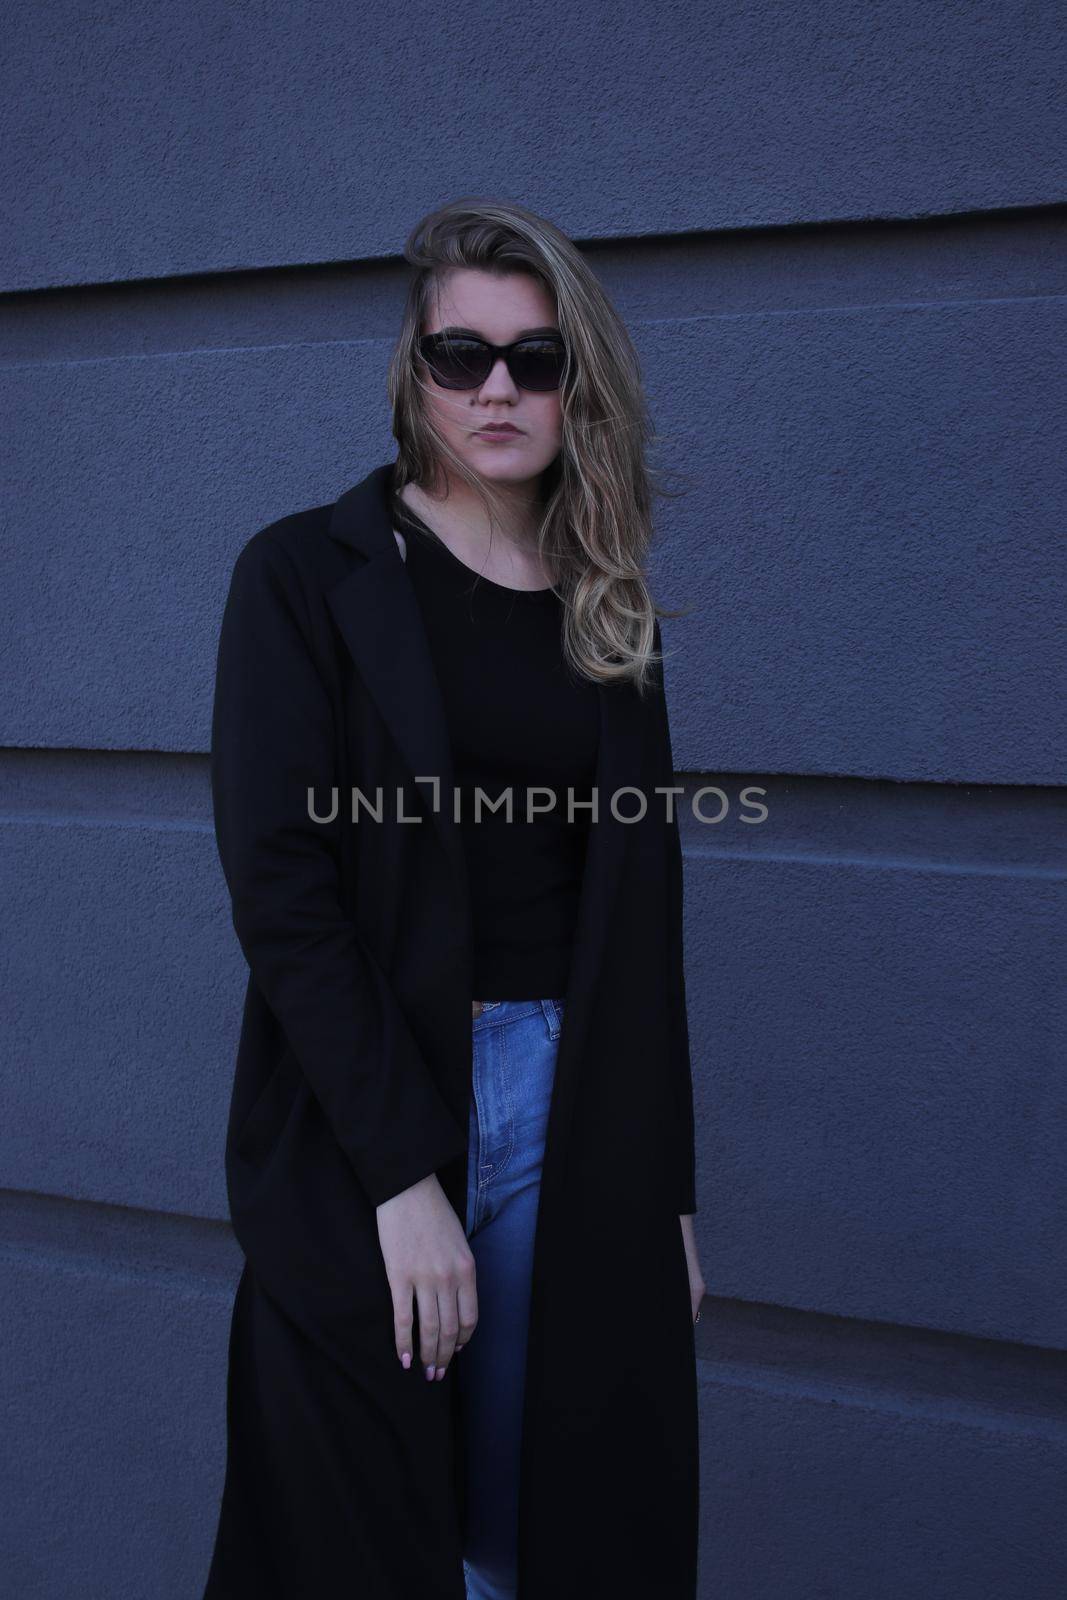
(462, 516)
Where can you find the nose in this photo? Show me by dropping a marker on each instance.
(498, 385)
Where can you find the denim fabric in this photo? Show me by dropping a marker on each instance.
(514, 1059)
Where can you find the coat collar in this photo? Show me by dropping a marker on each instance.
(377, 612)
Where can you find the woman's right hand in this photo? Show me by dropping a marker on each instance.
(427, 1256)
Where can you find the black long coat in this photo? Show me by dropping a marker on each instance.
(353, 1080)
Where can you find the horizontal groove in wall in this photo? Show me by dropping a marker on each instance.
(917, 1372)
(90, 1236)
(873, 820)
(141, 788)
(1016, 254)
(774, 1349)
(951, 827)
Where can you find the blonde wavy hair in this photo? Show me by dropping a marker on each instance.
(596, 526)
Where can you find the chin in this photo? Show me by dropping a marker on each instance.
(500, 463)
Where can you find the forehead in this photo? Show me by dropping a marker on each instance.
(499, 308)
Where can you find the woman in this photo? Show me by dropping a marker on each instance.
(460, 1151)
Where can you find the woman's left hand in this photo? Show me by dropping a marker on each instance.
(697, 1287)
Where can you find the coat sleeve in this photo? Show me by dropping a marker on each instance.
(273, 737)
(679, 1060)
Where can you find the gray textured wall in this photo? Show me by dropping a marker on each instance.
(837, 234)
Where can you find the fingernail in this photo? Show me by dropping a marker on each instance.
(429, 1372)
(440, 1373)
(405, 1360)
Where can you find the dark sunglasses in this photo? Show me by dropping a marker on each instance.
(460, 361)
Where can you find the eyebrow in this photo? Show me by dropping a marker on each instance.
(527, 333)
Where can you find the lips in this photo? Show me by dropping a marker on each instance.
(501, 428)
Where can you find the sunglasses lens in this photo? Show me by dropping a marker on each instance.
(456, 363)
(538, 364)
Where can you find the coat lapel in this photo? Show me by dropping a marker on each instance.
(377, 612)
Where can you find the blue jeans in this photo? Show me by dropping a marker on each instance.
(514, 1060)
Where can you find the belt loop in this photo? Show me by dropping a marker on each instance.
(551, 1017)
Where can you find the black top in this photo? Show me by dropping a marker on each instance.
(517, 718)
